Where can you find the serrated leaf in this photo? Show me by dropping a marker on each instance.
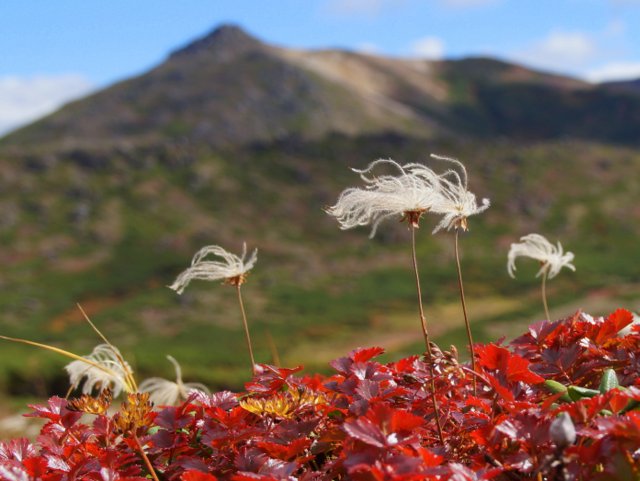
(364, 430)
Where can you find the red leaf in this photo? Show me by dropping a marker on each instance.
(502, 391)
(36, 466)
(518, 370)
(406, 365)
(285, 452)
(628, 427)
(194, 475)
(364, 430)
(430, 459)
(610, 327)
(618, 401)
(405, 421)
(246, 476)
(17, 449)
(491, 356)
(270, 378)
(363, 355)
(515, 368)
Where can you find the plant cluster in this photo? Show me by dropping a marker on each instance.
(559, 402)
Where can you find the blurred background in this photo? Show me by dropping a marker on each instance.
(132, 134)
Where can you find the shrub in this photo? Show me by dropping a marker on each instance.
(559, 402)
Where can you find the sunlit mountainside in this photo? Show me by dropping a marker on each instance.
(230, 139)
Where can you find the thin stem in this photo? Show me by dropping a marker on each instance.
(246, 328)
(423, 319)
(109, 372)
(275, 356)
(147, 462)
(466, 318)
(128, 374)
(544, 294)
(425, 333)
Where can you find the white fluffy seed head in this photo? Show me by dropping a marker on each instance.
(537, 247)
(454, 202)
(413, 189)
(230, 267)
(163, 392)
(113, 372)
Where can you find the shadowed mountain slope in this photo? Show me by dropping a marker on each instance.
(229, 88)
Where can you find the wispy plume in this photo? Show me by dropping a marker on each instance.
(103, 369)
(232, 268)
(407, 195)
(163, 392)
(552, 259)
(455, 203)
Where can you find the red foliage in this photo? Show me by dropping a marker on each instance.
(373, 421)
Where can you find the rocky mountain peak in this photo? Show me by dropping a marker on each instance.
(227, 38)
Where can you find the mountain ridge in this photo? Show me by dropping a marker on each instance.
(229, 88)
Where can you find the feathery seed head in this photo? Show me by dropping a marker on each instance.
(104, 369)
(408, 194)
(552, 258)
(168, 393)
(454, 201)
(232, 269)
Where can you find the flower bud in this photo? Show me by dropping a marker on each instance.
(562, 431)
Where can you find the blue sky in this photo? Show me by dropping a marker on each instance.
(53, 51)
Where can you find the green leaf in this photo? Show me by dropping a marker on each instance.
(576, 392)
(557, 388)
(609, 381)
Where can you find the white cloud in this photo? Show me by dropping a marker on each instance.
(362, 7)
(24, 99)
(431, 48)
(614, 71)
(560, 51)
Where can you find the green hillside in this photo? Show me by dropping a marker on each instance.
(232, 140)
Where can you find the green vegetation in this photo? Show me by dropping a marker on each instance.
(105, 202)
(314, 285)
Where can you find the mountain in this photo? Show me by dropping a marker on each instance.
(230, 139)
(229, 88)
(624, 86)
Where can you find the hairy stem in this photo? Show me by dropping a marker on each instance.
(544, 294)
(425, 333)
(246, 328)
(466, 318)
(423, 319)
(147, 462)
